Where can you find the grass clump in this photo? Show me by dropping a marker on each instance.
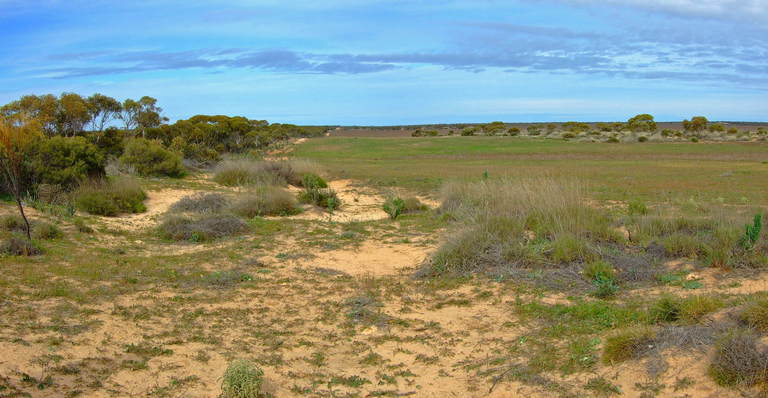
(739, 360)
(628, 344)
(18, 245)
(323, 197)
(202, 203)
(755, 315)
(313, 180)
(265, 200)
(81, 226)
(241, 172)
(394, 206)
(692, 309)
(752, 232)
(243, 379)
(46, 231)
(110, 197)
(603, 277)
(201, 229)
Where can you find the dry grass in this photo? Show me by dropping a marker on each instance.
(265, 200)
(202, 203)
(201, 229)
(241, 172)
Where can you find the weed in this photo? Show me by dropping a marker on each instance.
(243, 379)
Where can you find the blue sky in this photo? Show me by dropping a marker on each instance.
(398, 61)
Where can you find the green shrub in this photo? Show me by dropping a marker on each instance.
(569, 135)
(755, 315)
(627, 344)
(198, 153)
(201, 203)
(316, 194)
(243, 379)
(612, 140)
(150, 158)
(17, 245)
(46, 231)
(637, 207)
(110, 197)
(265, 200)
(642, 138)
(311, 180)
(394, 206)
(739, 360)
(66, 161)
(201, 229)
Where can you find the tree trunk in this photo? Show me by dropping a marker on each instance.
(24, 216)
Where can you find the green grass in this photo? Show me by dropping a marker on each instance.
(732, 171)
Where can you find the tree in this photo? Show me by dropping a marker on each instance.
(696, 124)
(142, 114)
(72, 114)
(42, 108)
(103, 109)
(16, 137)
(642, 122)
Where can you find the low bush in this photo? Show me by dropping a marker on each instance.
(302, 167)
(17, 245)
(46, 231)
(110, 197)
(627, 344)
(243, 379)
(413, 205)
(598, 268)
(13, 223)
(315, 193)
(568, 248)
(739, 360)
(201, 229)
(201, 203)
(394, 206)
(755, 315)
(311, 180)
(265, 200)
(151, 158)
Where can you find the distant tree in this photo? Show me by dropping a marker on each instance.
(696, 124)
(16, 138)
(142, 114)
(42, 108)
(72, 114)
(551, 127)
(103, 110)
(642, 122)
(716, 128)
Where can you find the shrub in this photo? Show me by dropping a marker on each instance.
(680, 244)
(110, 198)
(202, 229)
(316, 194)
(666, 309)
(249, 172)
(739, 360)
(302, 167)
(46, 230)
(150, 158)
(311, 180)
(265, 200)
(612, 140)
(66, 161)
(243, 379)
(13, 223)
(201, 203)
(642, 138)
(755, 315)
(413, 205)
(569, 135)
(81, 226)
(17, 245)
(627, 344)
(394, 206)
(568, 248)
(637, 207)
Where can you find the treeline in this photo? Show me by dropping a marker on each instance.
(72, 138)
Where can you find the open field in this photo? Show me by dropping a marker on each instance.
(631, 270)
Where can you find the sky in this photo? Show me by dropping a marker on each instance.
(385, 62)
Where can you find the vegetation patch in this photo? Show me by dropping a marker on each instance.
(201, 229)
(110, 197)
(243, 379)
(265, 200)
(201, 203)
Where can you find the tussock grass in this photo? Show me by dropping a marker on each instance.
(628, 344)
(691, 309)
(265, 200)
(243, 379)
(498, 217)
(46, 231)
(755, 315)
(110, 197)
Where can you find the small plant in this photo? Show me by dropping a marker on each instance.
(667, 309)
(603, 277)
(739, 360)
(627, 344)
(323, 197)
(243, 379)
(313, 180)
(46, 231)
(19, 245)
(394, 206)
(752, 232)
(637, 207)
(755, 315)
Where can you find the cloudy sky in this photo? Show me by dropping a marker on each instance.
(398, 61)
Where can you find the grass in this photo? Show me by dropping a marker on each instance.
(201, 229)
(243, 379)
(739, 360)
(627, 344)
(755, 315)
(110, 197)
(239, 172)
(265, 200)
(202, 203)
